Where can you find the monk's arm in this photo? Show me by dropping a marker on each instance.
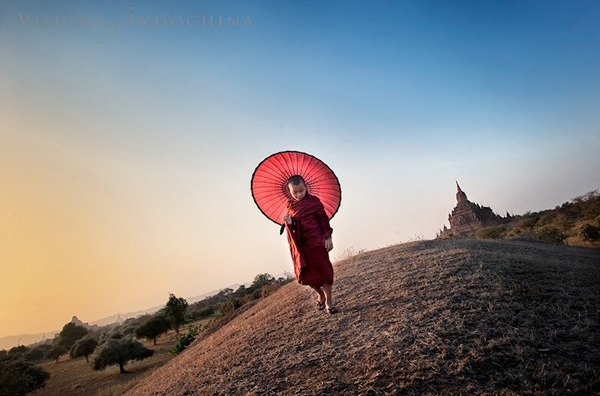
(324, 224)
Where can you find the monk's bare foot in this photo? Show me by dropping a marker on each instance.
(320, 305)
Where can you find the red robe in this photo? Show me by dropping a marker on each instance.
(306, 236)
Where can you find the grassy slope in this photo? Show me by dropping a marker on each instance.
(433, 317)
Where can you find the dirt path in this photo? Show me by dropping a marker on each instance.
(432, 317)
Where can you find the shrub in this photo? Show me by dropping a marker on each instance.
(230, 305)
(528, 220)
(18, 377)
(129, 329)
(206, 312)
(20, 350)
(514, 232)
(36, 354)
(268, 290)
(562, 222)
(588, 204)
(550, 233)
(546, 218)
(201, 314)
(590, 233)
(185, 340)
(490, 233)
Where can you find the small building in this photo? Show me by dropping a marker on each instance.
(468, 217)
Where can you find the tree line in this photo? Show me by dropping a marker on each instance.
(118, 344)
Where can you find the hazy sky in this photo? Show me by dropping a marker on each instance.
(129, 131)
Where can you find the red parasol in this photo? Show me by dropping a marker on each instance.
(269, 183)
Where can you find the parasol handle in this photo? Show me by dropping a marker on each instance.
(282, 229)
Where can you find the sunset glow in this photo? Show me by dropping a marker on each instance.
(129, 133)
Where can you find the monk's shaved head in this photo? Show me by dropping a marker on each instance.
(296, 180)
(297, 187)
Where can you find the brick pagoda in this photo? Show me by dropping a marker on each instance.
(468, 217)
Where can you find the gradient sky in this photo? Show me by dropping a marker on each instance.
(127, 145)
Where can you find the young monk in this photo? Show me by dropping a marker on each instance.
(309, 236)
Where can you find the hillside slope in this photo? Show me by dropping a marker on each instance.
(432, 317)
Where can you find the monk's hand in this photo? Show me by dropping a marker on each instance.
(328, 244)
(287, 219)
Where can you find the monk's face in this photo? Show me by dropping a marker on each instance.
(298, 191)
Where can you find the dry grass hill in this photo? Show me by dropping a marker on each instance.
(425, 318)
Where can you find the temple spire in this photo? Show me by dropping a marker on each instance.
(460, 194)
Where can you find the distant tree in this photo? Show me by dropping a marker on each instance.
(255, 290)
(36, 354)
(18, 350)
(175, 311)
(56, 352)
(70, 333)
(83, 347)
(261, 280)
(129, 326)
(286, 278)
(230, 305)
(119, 352)
(43, 347)
(153, 327)
(240, 292)
(18, 377)
(205, 313)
